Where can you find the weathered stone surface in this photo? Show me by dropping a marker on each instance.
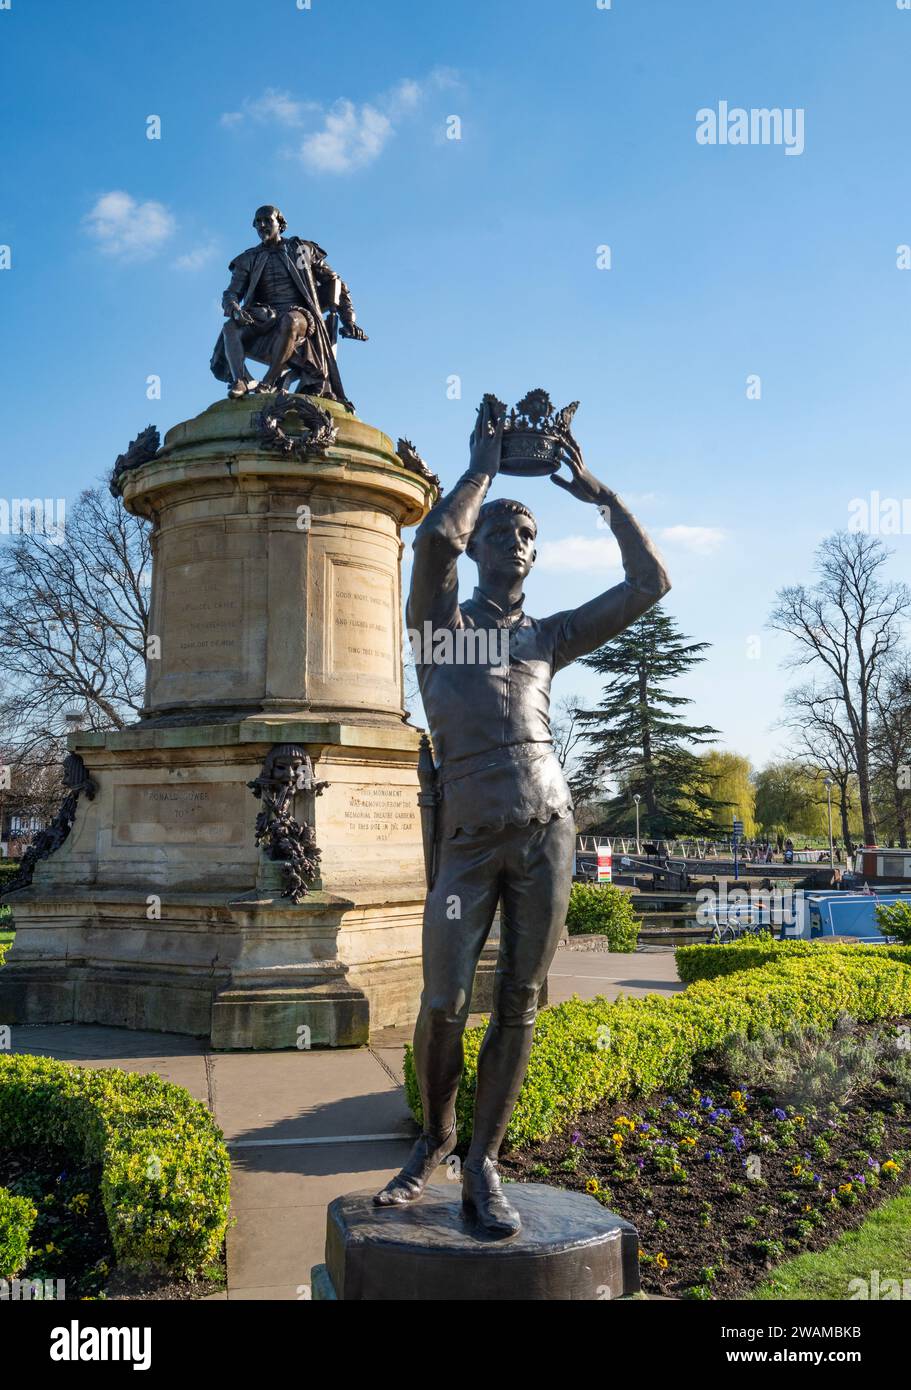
(276, 581)
(276, 605)
(570, 1247)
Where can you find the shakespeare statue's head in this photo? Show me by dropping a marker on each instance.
(269, 222)
(502, 543)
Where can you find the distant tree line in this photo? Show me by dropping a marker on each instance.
(848, 720)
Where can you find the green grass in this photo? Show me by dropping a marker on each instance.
(882, 1243)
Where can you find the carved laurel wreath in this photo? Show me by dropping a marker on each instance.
(319, 429)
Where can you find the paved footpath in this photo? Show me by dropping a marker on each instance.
(305, 1127)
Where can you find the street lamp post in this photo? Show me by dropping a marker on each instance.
(637, 798)
(828, 786)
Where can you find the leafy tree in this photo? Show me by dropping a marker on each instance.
(787, 800)
(894, 919)
(729, 776)
(637, 738)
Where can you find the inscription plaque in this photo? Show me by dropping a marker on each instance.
(370, 814)
(204, 618)
(207, 813)
(362, 621)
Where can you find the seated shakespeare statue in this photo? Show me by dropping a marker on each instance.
(276, 306)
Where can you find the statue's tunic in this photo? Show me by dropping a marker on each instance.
(506, 830)
(490, 723)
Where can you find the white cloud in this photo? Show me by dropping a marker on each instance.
(273, 105)
(698, 540)
(351, 137)
(579, 554)
(196, 258)
(347, 135)
(127, 228)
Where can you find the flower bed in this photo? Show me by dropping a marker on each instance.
(162, 1166)
(590, 1053)
(724, 1182)
(17, 1217)
(69, 1239)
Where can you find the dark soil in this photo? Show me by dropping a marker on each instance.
(70, 1240)
(723, 1183)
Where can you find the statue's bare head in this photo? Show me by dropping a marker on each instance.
(269, 222)
(502, 543)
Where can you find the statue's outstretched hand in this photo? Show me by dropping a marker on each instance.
(353, 330)
(581, 484)
(487, 438)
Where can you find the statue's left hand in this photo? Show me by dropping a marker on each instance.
(582, 484)
(355, 331)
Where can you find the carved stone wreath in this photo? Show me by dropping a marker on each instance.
(319, 430)
(77, 782)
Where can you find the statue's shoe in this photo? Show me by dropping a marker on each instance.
(483, 1203)
(240, 388)
(426, 1156)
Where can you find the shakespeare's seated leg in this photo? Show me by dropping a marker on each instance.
(290, 332)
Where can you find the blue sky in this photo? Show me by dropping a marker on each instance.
(477, 258)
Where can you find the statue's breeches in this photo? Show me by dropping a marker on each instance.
(529, 867)
(260, 338)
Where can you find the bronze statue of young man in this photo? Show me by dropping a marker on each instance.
(505, 818)
(274, 307)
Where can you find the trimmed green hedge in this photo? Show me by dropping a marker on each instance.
(605, 909)
(8, 869)
(165, 1169)
(587, 1052)
(708, 962)
(17, 1217)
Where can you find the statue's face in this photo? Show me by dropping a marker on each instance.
(287, 768)
(503, 547)
(268, 226)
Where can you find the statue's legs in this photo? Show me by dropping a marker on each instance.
(235, 353)
(531, 866)
(290, 332)
(535, 892)
(537, 877)
(458, 914)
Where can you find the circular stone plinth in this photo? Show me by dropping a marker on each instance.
(570, 1247)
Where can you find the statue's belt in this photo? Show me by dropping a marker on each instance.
(458, 768)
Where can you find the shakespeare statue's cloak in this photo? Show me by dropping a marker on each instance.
(320, 289)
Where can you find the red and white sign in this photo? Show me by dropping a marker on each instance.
(605, 869)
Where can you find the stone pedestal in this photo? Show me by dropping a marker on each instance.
(276, 619)
(570, 1247)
